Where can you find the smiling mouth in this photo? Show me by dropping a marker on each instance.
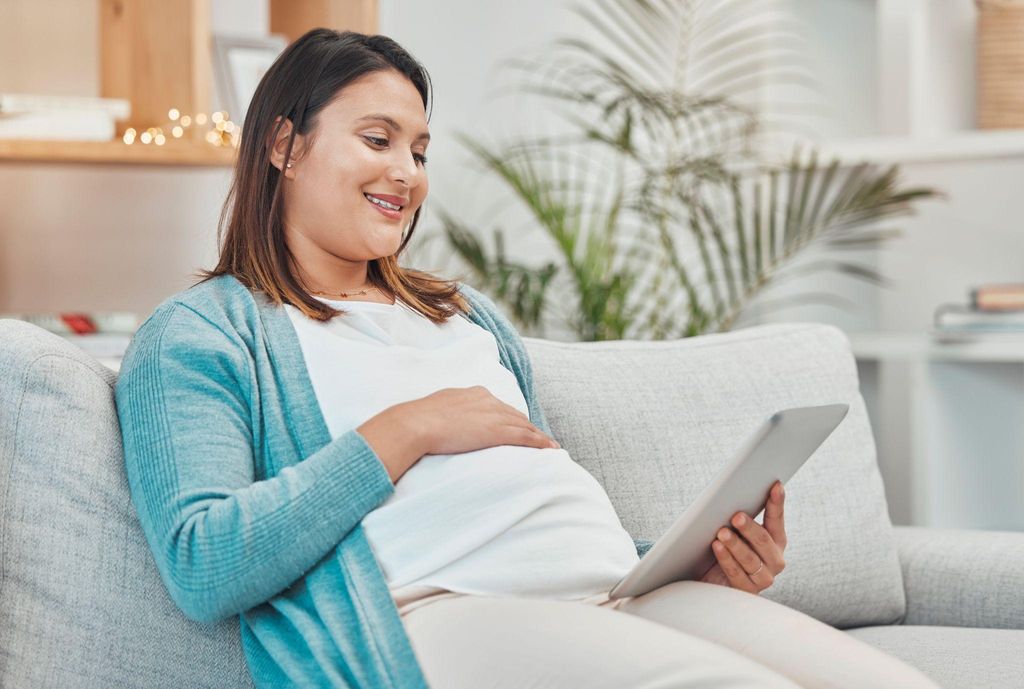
(381, 203)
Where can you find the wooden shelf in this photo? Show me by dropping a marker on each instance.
(174, 152)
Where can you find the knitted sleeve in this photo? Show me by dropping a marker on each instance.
(224, 541)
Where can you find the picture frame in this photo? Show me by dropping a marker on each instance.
(239, 64)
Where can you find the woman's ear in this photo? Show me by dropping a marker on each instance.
(280, 147)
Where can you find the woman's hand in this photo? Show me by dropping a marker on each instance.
(447, 422)
(751, 559)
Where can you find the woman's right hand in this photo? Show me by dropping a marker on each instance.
(448, 421)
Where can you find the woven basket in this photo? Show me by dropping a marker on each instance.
(1000, 64)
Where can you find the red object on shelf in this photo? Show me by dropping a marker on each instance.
(79, 323)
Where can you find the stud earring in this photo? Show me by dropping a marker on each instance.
(289, 164)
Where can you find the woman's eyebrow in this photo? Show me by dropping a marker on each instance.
(394, 125)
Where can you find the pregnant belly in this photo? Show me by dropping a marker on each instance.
(507, 519)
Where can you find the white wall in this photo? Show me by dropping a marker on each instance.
(461, 42)
(840, 39)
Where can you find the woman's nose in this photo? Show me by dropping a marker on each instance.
(406, 170)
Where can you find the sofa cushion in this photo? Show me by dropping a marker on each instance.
(955, 657)
(81, 601)
(655, 421)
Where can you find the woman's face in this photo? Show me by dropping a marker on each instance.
(370, 141)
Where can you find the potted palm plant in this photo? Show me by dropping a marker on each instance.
(685, 220)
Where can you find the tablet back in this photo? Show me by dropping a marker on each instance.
(774, 452)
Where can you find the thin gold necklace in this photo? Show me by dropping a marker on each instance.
(343, 294)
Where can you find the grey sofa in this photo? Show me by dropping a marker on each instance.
(82, 604)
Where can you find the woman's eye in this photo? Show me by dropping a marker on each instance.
(377, 141)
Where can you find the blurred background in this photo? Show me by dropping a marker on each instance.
(605, 170)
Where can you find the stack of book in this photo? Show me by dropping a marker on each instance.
(64, 118)
(993, 311)
(103, 335)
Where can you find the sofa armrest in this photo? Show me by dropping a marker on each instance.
(962, 578)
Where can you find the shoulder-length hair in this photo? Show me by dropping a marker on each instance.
(300, 83)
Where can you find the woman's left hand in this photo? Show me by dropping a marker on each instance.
(750, 556)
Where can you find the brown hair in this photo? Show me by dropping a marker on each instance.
(300, 83)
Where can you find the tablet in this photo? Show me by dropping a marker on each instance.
(773, 453)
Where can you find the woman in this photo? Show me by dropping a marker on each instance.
(351, 457)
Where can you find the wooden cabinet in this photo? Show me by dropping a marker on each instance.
(156, 54)
(292, 18)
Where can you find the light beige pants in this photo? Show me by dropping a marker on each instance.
(683, 635)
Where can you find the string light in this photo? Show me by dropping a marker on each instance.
(222, 132)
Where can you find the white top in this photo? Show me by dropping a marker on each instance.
(505, 520)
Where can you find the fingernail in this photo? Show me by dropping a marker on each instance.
(724, 534)
(740, 520)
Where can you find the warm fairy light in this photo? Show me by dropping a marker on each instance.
(223, 131)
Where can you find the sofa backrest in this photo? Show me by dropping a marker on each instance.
(81, 601)
(655, 421)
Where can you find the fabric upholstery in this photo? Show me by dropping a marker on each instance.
(81, 602)
(956, 658)
(963, 578)
(654, 422)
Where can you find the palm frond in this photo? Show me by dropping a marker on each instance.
(522, 288)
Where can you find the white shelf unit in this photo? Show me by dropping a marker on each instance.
(954, 146)
(964, 464)
(898, 79)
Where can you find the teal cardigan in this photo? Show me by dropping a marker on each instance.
(248, 505)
